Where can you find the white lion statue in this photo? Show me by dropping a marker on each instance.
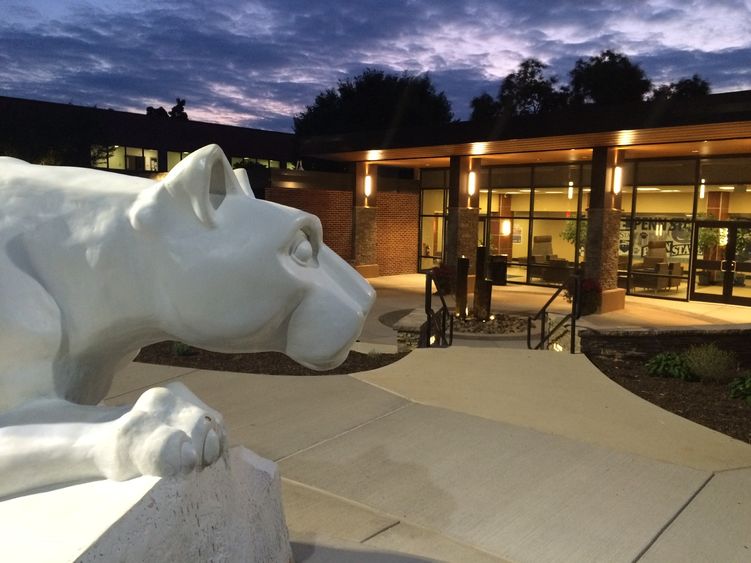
(95, 265)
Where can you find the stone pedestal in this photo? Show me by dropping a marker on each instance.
(612, 300)
(231, 512)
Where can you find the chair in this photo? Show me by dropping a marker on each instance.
(656, 253)
(557, 271)
(676, 272)
(657, 249)
(542, 245)
(655, 278)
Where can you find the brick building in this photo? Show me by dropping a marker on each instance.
(648, 199)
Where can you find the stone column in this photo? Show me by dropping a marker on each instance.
(366, 229)
(603, 230)
(463, 213)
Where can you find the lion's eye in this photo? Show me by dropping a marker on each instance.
(302, 250)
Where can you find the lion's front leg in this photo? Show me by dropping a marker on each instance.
(168, 432)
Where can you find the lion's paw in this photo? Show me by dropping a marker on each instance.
(169, 431)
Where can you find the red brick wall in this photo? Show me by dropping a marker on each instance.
(397, 232)
(333, 208)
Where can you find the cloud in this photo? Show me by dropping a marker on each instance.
(258, 63)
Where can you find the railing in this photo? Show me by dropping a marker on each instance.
(573, 282)
(438, 330)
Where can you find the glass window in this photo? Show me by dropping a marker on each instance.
(151, 158)
(510, 202)
(434, 178)
(433, 202)
(553, 252)
(559, 201)
(511, 176)
(556, 176)
(665, 172)
(173, 158)
(134, 159)
(509, 236)
(484, 194)
(431, 231)
(273, 164)
(726, 170)
(117, 158)
(725, 189)
(668, 201)
(99, 156)
(483, 178)
(481, 232)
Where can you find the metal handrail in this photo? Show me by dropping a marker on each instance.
(542, 316)
(438, 321)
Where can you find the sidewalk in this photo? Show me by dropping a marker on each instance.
(485, 455)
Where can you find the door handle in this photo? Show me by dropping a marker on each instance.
(723, 266)
(732, 265)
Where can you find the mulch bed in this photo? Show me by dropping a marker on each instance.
(271, 363)
(707, 404)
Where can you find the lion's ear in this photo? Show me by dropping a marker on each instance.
(202, 180)
(242, 179)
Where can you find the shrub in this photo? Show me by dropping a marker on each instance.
(670, 364)
(740, 387)
(182, 349)
(711, 363)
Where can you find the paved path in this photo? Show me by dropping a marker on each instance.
(482, 455)
(486, 455)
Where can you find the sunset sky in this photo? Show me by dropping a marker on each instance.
(257, 63)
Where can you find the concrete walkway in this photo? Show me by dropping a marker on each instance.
(484, 455)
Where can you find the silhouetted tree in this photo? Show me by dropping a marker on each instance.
(177, 111)
(159, 112)
(608, 78)
(683, 89)
(375, 100)
(526, 91)
(484, 107)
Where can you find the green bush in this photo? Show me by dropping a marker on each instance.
(182, 349)
(740, 387)
(670, 364)
(711, 363)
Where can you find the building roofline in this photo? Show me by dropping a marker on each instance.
(715, 116)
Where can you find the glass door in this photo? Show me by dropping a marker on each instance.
(722, 262)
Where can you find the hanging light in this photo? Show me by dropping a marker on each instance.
(471, 183)
(617, 179)
(506, 228)
(570, 189)
(702, 188)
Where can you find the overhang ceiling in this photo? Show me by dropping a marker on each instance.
(702, 140)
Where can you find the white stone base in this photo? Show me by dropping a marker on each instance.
(229, 512)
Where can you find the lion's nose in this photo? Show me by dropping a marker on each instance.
(356, 287)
